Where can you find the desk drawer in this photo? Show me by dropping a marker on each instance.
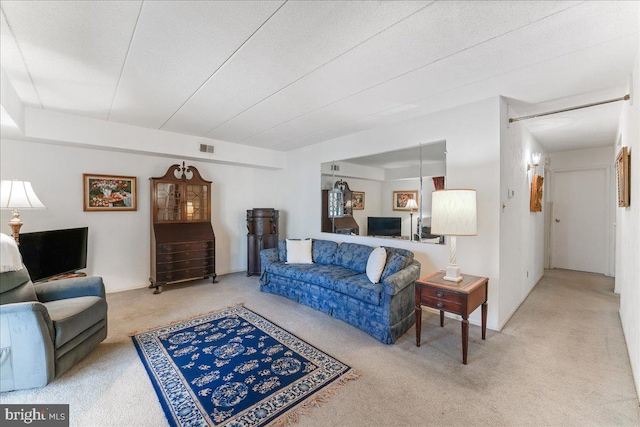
(181, 265)
(164, 248)
(441, 295)
(440, 304)
(181, 256)
(189, 273)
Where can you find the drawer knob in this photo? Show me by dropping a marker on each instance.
(439, 305)
(439, 294)
(187, 262)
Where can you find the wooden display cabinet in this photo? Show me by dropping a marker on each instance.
(183, 244)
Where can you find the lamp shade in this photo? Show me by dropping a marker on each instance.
(412, 205)
(453, 212)
(18, 195)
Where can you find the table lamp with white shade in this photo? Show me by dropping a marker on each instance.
(18, 195)
(453, 213)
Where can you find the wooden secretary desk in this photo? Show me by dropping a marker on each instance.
(183, 245)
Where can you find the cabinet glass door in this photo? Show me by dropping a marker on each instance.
(169, 199)
(197, 203)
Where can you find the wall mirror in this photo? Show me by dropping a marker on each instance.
(384, 195)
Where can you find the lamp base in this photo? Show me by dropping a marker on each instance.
(452, 274)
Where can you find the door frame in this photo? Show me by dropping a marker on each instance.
(609, 214)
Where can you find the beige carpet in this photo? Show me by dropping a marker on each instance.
(560, 361)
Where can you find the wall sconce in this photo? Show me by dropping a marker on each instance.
(535, 161)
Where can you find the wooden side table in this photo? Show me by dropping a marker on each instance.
(458, 298)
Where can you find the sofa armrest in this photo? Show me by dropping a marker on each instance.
(70, 288)
(403, 278)
(267, 256)
(26, 346)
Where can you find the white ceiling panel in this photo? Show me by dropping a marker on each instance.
(73, 50)
(609, 68)
(284, 75)
(576, 130)
(517, 50)
(177, 46)
(14, 67)
(301, 37)
(434, 33)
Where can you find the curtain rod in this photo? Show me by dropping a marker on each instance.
(517, 119)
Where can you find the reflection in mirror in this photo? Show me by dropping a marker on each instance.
(384, 195)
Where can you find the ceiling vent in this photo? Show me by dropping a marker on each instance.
(206, 148)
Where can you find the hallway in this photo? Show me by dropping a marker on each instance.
(573, 336)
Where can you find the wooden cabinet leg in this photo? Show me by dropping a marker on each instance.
(465, 339)
(484, 320)
(418, 313)
(441, 318)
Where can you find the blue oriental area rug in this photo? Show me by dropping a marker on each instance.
(236, 368)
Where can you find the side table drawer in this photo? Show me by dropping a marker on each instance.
(441, 304)
(440, 294)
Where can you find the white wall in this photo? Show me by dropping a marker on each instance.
(591, 158)
(119, 241)
(521, 231)
(628, 231)
(472, 133)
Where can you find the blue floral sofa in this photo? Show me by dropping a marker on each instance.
(337, 284)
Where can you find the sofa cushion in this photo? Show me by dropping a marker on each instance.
(360, 287)
(324, 251)
(407, 255)
(72, 316)
(299, 252)
(395, 263)
(316, 274)
(353, 256)
(375, 264)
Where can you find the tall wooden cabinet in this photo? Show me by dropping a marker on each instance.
(262, 233)
(183, 245)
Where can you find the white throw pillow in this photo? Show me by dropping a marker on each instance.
(375, 264)
(299, 252)
(9, 254)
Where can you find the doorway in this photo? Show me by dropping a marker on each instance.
(579, 222)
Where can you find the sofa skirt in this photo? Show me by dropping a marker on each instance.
(373, 319)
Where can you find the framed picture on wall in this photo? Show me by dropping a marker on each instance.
(536, 193)
(109, 193)
(622, 173)
(401, 199)
(358, 200)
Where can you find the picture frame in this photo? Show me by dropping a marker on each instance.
(109, 193)
(623, 160)
(401, 197)
(536, 193)
(358, 200)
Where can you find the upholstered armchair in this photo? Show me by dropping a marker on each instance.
(45, 329)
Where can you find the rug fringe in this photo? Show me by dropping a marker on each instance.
(195, 316)
(315, 400)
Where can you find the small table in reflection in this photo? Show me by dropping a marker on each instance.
(454, 297)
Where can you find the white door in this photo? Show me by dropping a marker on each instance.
(579, 222)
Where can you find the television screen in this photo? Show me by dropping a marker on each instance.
(49, 253)
(384, 226)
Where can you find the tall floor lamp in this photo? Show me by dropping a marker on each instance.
(18, 195)
(412, 206)
(453, 213)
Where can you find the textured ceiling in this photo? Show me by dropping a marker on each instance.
(283, 75)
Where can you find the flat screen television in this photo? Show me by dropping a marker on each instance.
(50, 253)
(384, 226)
